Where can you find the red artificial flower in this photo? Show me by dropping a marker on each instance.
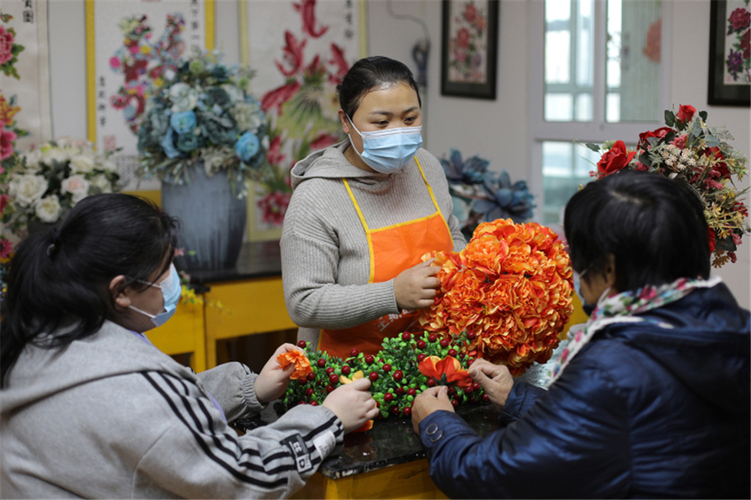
(721, 167)
(711, 238)
(740, 18)
(6, 143)
(659, 133)
(301, 362)
(307, 9)
(685, 113)
(3, 198)
(614, 159)
(6, 248)
(446, 371)
(274, 207)
(279, 96)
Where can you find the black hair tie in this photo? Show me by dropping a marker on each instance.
(54, 242)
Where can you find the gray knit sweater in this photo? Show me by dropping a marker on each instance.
(113, 417)
(325, 258)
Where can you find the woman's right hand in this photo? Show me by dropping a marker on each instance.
(495, 380)
(415, 288)
(352, 403)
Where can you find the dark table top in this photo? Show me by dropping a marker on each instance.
(389, 442)
(258, 259)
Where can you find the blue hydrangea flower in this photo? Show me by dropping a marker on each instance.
(247, 146)
(183, 122)
(469, 171)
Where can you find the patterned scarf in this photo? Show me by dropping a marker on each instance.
(623, 308)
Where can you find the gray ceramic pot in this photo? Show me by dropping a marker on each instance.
(212, 219)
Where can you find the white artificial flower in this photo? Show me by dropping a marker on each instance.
(184, 97)
(247, 116)
(108, 165)
(235, 94)
(33, 158)
(53, 153)
(101, 182)
(48, 208)
(25, 190)
(77, 186)
(82, 164)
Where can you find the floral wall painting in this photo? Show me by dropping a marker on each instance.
(730, 53)
(24, 75)
(469, 47)
(131, 46)
(299, 59)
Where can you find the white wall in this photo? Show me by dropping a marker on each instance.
(496, 130)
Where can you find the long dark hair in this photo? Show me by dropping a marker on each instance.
(654, 227)
(369, 73)
(61, 277)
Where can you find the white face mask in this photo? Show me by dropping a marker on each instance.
(389, 150)
(171, 290)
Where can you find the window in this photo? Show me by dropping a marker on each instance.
(596, 75)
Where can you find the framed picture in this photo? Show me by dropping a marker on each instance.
(729, 54)
(469, 48)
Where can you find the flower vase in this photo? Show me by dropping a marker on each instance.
(212, 219)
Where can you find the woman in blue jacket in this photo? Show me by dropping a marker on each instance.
(650, 399)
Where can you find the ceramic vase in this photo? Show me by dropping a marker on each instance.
(212, 219)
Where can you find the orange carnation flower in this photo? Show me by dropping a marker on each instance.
(446, 371)
(302, 365)
(511, 286)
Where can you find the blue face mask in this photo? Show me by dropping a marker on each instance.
(171, 290)
(588, 308)
(388, 151)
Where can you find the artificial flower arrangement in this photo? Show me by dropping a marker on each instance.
(506, 297)
(204, 111)
(690, 151)
(480, 195)
(45, 183)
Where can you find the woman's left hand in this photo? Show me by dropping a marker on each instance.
(430, 400)
(273, 381)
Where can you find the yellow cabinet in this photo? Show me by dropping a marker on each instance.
(183, 334)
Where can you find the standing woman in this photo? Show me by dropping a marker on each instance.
(362, 214)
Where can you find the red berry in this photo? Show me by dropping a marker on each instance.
(452, 390)
(421, 344)
(388, 397)
(369, 359)
(311, 376)
(420, 357)
(329, 388)
(321, 362)
(452, 352)
(346, 370)
(468, 390)
(309, 391)
(354, 352)
(398, 375)
(395, 410)
(302, 381)
(411, 391)
(444, 343)
(470, 361)
(301, 403)
(475, 386)
(333, 378)
(430, 382)
(407, 411)
(329, 370)
(302, 344)
(471, 335)
(314, 403)
(399, 391)
(485, 398)
(406, 336)
(455, 402)
(432, 337)
(387, 367)
(373, 376)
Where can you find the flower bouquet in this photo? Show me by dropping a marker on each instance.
(509, 291)
(482, 196)
(406, 365)
(203, 111)
(690, 151)
(45, 183)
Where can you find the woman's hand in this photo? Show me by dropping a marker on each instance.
(495, 380)
(352, 403)
(430, 400)
(415, 288)
(273, 381)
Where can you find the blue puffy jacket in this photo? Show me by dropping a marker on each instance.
(640, 412)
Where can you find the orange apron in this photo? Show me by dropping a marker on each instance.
(392, 250)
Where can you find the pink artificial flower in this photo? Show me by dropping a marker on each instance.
(307, 9)
(740, 18)
(6, 248)
(274, 206)
(114, 62)
(179, 252)
(4, 198)
(6, 44)
(134, 49)
(680, 141)
(6, 143)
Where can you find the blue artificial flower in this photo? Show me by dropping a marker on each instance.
(168, 144)
(187, 142)
(247, 146)
(470, 171)
(183, 122)
(505, 200)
